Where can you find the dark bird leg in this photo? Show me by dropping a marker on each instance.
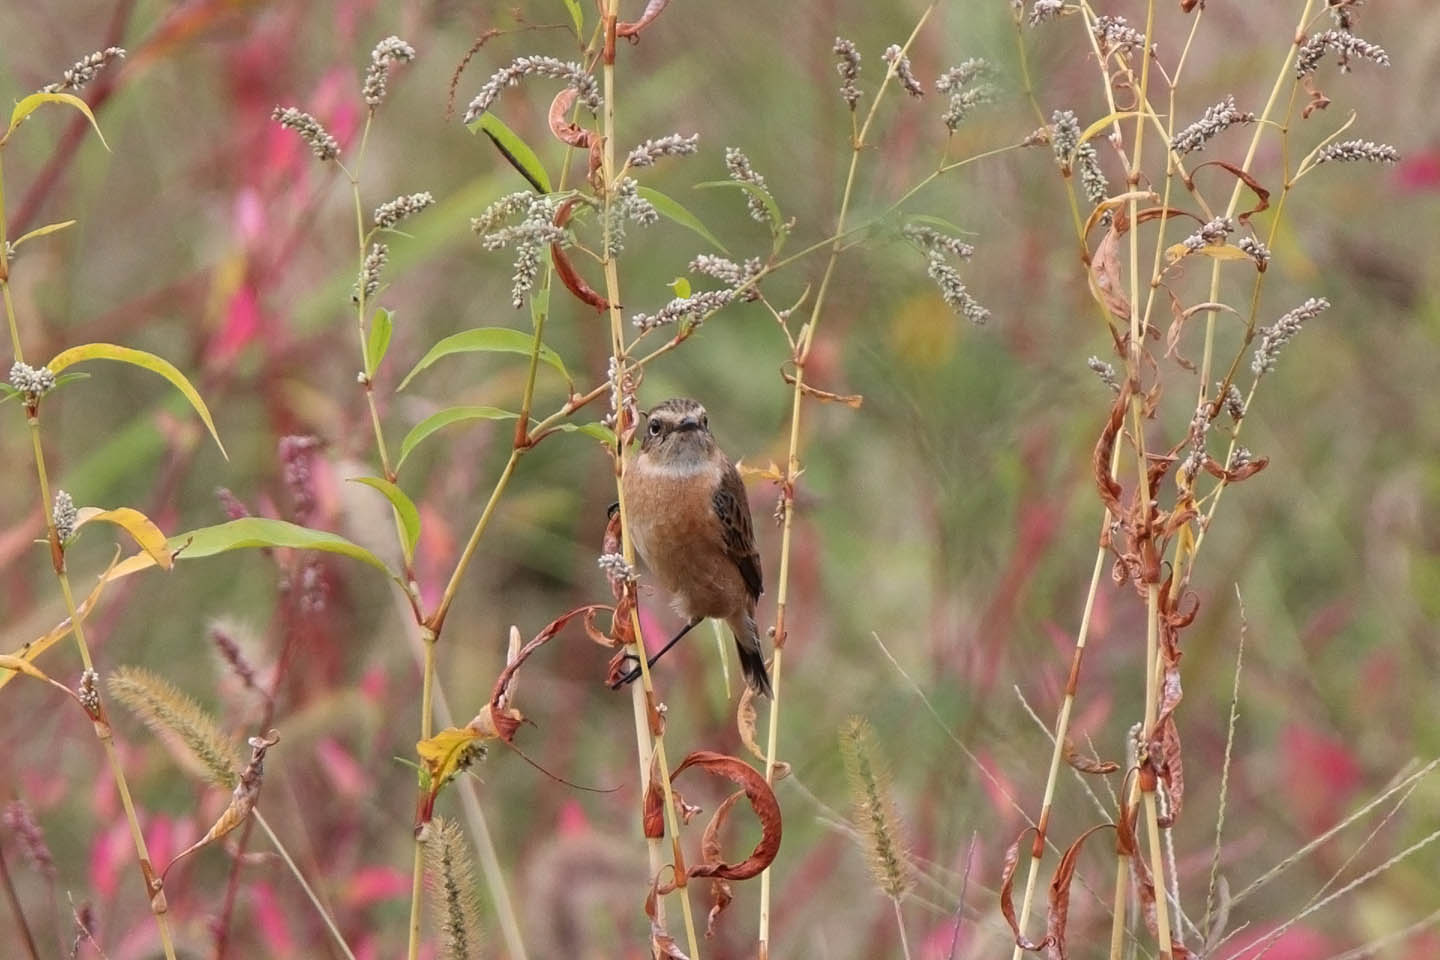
(634, 674)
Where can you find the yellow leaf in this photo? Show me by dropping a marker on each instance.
(146, 361)
(30, 651)
(1213, 250)
(140, 527)
(35, 101)
(44, 231)
(8, 661)
(447, 753)
(1105, 121)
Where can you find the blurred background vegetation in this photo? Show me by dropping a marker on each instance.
(952, 516)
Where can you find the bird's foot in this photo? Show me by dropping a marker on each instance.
(630, 676)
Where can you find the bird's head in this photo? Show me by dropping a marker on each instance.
(677, 432)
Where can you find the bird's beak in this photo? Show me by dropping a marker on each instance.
(688, 423)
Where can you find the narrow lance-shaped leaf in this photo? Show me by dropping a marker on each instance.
(488, 340)
(249, 532)
(378, 341)
(35, 101)
(445, 418)
(514, 149)
(140, 527)
(772, 209)
(404, 509)
(577, 16)
(675, 212)
(44, 231)
(146, 361)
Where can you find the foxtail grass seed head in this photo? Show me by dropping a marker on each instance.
(672, 145)
(1043, 10)
(32, 382)
(900, 63)
(1344, 44)
(1217, 118)
(693, 310)
(63, 514)
(571, 72)
(84, 70)
(21, 824)
(1279, 333)
(387, 53)
(450, 879)
(1105, 372)
(874, 808)
(848, 66)
(1213, 233)
(171, 714)
(387, 215)
(1256, 250)
(616, 568)
(740, 170)
(368, 281)
(1358, 151)
(324, 146)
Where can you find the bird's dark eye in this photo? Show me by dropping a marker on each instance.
(655, 428)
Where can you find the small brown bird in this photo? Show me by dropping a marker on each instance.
(690, 521)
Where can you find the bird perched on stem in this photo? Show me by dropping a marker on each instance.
(690, 521)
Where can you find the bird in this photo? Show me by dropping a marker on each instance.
(689, 520)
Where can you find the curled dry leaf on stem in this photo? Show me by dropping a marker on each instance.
(746, 723)
(242, 798)
(1007, 895)
(632, 28)
(851, 400)
(762, 801)
(452, 750)
(571, 133)
(1087, 764)
(566, 271)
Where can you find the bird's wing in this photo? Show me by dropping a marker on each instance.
(733, 511)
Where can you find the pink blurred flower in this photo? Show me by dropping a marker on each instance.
(371, 885)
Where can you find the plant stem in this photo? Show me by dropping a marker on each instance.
(309, 892)
(792, 462)
(154, 893)
(900, 925)
(19, 911)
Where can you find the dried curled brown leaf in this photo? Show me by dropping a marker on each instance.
(566, 271)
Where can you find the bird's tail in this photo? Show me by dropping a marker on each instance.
(752, 658)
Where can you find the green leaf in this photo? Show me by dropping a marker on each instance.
(578, 16)
(46, 230)
(940, 223)
(445, 418)
(540, 305)
(249, 532)
(404, 509)
(514, 149)
(596, 429)
(681, 287)
(378, 341)
(35, 101)
(488, 340)
(144, 360)
(772, 209)
(676, 213)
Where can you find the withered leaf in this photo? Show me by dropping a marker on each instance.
(710, 852)
(1106, 283)
(662, 944)
(851, 400)
(1104, 448)
(762, 801)
(1060, 895)
(632, 29)
(745, 721)
(1087, 764)
(1245, 472)
(569, 276)
(1007, 895)
(1262, 195)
